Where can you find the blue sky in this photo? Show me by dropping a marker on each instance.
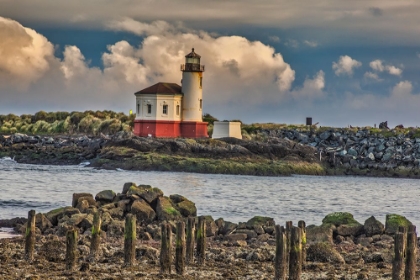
(340, 62)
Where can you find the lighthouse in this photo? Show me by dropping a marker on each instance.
(192, 124)
(169, 110)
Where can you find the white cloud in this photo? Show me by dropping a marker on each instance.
(292, 43)
(394, 70)
(377, 65)
(402, 89)
(345, 65)
(25, 55)
(372, 76)
(311, 44)
(312, 88)
(237, 70)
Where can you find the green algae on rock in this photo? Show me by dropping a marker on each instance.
(340, 218)
(394, 221)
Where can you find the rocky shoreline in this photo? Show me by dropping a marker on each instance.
(274, 152)
(340, 248)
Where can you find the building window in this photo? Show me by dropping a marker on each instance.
(201, 82)
(138, 109)
(177, 110)
(165, 109)
(201, 104)
(149, 108)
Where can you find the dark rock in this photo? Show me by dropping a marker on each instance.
(324, 252)
(227, 228)
(316, 234)
(350, 230)
(260, 221)
(76, 197)
(235, 237)
(146, 192)
(165, 210)
(372, 227)
(143, 212)
(105, 196)
(127, 186)
(42, 222)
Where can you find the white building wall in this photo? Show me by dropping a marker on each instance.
(227, 129)
(193, 94)
(157, 102)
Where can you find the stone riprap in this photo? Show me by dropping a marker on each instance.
(361, 151)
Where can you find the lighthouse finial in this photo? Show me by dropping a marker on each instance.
(192, 49)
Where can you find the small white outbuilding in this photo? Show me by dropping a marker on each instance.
(227, 129)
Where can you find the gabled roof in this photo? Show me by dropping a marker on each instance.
(162, 88)
(193, 54)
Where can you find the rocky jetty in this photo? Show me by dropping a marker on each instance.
(339, 248)
(324, 151)
(361, 151)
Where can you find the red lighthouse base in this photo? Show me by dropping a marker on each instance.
(170, 129)
(194, 129)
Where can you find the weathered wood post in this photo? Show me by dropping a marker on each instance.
(30, 236)
(96, 235)
(288, 231)
(201, 240)
(71, 249)
(295, 261)
(166, 248)
(190, 240)
(411, 259)
(180, 248)
(302, 226)
(130, 240)
(280, 264)
(398, 262)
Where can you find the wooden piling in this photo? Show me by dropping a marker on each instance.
(30, 236)
(189, 259)
(302, 226)
(180, 248)
(295, 261)
(398, 262)
(166, 248)
(280, 264)
(71, 249)
(201, 240)
(288, 231)
(411, 258)
(96, 235)
(130, 240)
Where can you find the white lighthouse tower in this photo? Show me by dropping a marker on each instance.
(192, 124)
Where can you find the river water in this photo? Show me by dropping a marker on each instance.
(235, 198)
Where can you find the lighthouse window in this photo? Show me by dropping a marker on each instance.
(201, 104)
(177, 110)
(201, 82)
(149, 108)
(138, 109)
(165, 109)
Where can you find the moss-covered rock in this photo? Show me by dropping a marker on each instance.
(324, 252)
(394, 221)
(146, 192)
(143, 212)
(105, 196)
(340, 218)
(260, 221)
(127, 186)
(165, 210)
(183, 205)
(56, 214)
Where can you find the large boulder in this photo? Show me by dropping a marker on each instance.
(394, 221)
(227, 228)
(259, 221)
(324, 252)
(127, 186)
(349, 230)
(76, 197)
(42, 222)
(143, 212)
(165, 210)
(184, 206)
(317, 234)
(146, 192)
(372, 227)
(55, 215)
(106, 196)
(340, 218)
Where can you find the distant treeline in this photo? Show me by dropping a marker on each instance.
(88, 122)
